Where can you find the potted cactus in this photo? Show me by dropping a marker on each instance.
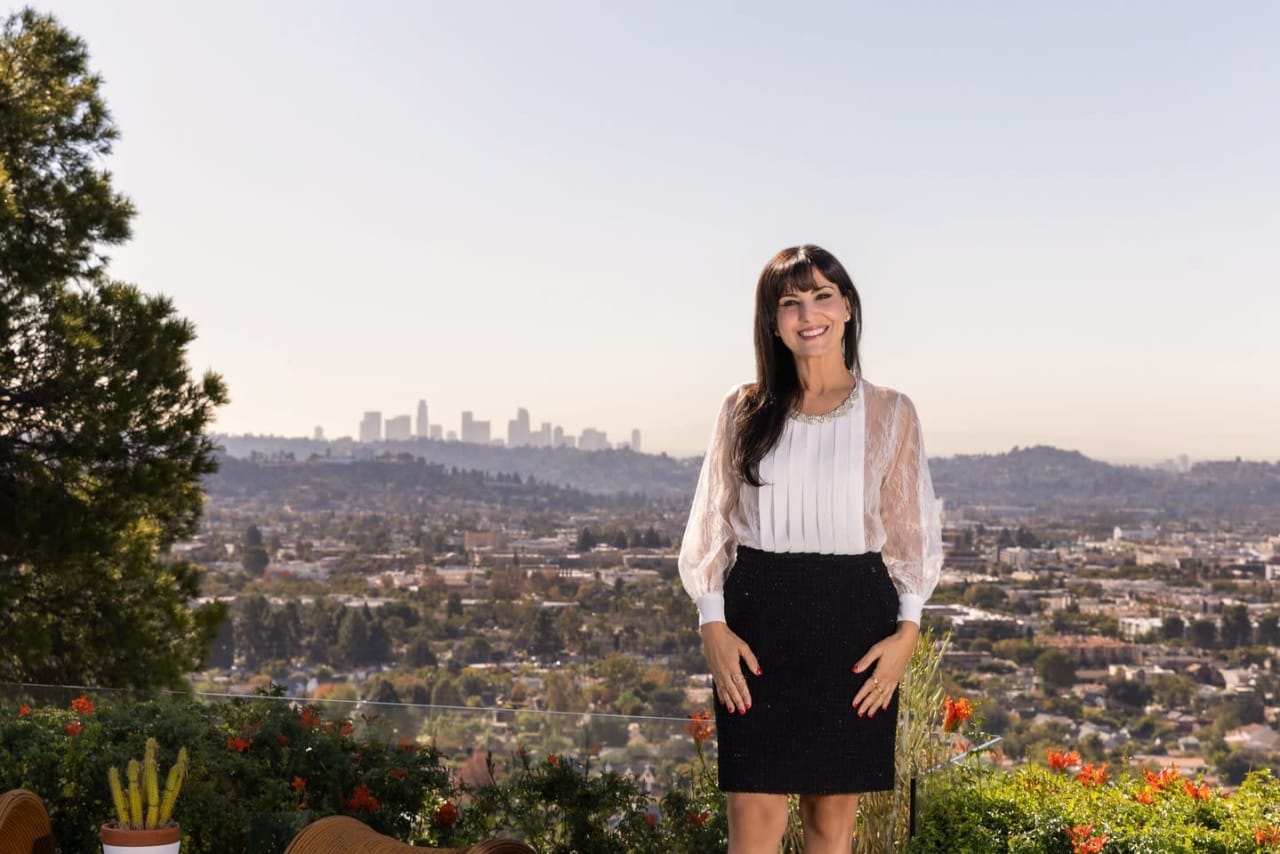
(144, 815)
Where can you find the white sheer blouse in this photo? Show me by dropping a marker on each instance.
(851, 481)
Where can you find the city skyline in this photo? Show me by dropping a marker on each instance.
(374, 427)
(1060, 219)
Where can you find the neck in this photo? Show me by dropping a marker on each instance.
(823, 374)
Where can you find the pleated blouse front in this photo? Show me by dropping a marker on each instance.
(848, 482)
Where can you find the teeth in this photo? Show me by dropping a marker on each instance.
(812, 333)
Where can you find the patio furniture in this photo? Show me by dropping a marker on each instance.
(340, 833)
(24, 824)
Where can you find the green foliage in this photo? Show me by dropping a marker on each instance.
(259, 769)
(102, 445)
(977, 810)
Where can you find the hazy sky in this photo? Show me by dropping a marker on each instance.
(1063, 219)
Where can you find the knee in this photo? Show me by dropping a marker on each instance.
(758, 818)
(830, 820)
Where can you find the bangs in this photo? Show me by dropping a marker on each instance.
(788, 273)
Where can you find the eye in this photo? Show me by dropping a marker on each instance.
(825, 295)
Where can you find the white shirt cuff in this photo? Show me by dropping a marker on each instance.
(910, 606)
(711, 608)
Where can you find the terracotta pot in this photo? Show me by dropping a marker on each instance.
(159, 840)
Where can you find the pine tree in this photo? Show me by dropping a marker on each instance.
(102, 443)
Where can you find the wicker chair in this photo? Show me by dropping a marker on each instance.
(24, 824)
(340, 833)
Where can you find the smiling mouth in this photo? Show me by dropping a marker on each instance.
(812, 333)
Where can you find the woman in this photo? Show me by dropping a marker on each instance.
(813, 542)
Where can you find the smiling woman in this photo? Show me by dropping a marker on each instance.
(813, 541)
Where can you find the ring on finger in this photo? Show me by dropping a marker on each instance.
(737, 677)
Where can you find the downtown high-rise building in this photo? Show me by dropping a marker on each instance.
(424, 427)
(398, 429)
(371, 427)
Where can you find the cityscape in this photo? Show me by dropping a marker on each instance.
(520, 432)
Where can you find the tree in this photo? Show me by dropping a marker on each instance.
(1056, 668)
(1236, 628)
(1172, 628)
(1203, 634)
(102, 444)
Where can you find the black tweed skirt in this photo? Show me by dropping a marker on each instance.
(808, 618)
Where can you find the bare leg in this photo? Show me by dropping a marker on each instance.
(756, 822)
(828, 822)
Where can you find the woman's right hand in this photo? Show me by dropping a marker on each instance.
(724, 650)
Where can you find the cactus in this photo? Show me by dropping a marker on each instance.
(177, 774)
(142, 805)
(117, 796)
(135, 794)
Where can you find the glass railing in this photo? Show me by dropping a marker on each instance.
(652, 748)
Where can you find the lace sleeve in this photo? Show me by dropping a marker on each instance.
(709, 545)
(912, 516)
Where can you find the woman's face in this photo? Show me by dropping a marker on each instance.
(811, 323)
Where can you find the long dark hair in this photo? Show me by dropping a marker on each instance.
(762, 411)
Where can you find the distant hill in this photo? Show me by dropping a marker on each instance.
(1048, 479)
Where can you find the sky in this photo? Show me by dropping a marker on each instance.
(1062, 219)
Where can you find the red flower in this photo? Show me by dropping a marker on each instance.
(445, 816)
(399, 773)
(1091, 775)
(699, 726)
(1146, 795)
(74, 729)
(309, 718)
(24, 710)
(283, 739)
(1083, 841)
(299, 784)
(346, 729)
(955, 712)
(240, 745)
(1269, 833)
(82, 705)
(650, 819)
(361, 800)
(697, 819)
(407, 744)
(553, 760)
(1060, 761)
(1198, 793)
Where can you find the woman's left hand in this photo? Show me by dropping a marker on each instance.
(888, 660)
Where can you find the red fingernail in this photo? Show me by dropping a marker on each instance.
(759, 672)
(855, 668)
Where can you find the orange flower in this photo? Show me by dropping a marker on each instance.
(1091, 775)
(1146, 795)
(699, 726)
(1198, 793)
(309, 718)
(697, 819)
(240, 745)
(1060, 761)
(299, 784)
(82, 705)
(74, 729)
(346, 729)
(24, 710)
(1083, 841)
(955, 712)
(361, 800)
(1268, 833)
(406, 744)
(1166, 778)
(399, 773)
(553, 760)
(282, 739)
(446, 815)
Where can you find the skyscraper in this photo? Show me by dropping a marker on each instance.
(635, 440)
(398, 428)
(424, 429)
(371, 427)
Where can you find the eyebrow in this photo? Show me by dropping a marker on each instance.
(816, 290)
